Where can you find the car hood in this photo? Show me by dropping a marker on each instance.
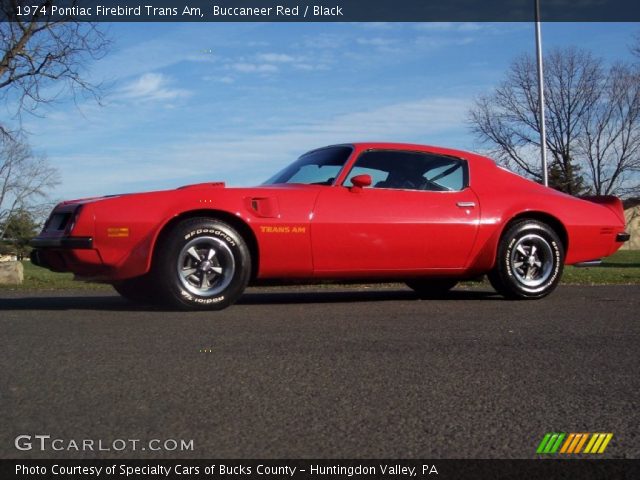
(192, 187)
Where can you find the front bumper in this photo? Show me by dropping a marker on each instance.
(66, 254)
(78, 243)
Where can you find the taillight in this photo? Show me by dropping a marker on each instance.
(62, 221)
(73, 217)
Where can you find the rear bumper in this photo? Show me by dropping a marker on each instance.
(622, 237)
(589, 263)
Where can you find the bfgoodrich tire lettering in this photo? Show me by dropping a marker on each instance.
(530, 261)
(203, 264)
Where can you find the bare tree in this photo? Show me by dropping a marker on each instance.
(610, 143)
(42, 55)
(593, 123)
(635, 48)
(43, 52)
(25, 180)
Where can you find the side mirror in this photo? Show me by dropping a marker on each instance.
(361, 181)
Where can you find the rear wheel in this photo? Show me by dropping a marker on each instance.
(530, 261)
(203, 264)
(430, 287)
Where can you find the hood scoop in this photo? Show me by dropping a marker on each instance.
(202, 185)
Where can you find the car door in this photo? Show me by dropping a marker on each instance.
(404, 223)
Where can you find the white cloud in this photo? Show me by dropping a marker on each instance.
(249, 159)
(151, 86)
(450, 26)
(376, 41)
(276, 58)
(325, 41)
(225, 79)
(490, 28)
(121, 171)
(308, 67)
(283, 60)
(438, 43)
(376, 25)
(202, 57)
(242, 158)
(246, 67)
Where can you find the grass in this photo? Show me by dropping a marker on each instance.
(37, 278)
(621, 268)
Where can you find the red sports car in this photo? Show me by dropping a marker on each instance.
(424, 215)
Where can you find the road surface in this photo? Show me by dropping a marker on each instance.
(322, 373)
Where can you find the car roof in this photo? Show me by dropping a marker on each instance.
(416, 148)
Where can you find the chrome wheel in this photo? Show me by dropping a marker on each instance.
(529, 260)
(532, 260)
(206, 266)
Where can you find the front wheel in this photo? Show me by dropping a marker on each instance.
(529, 262)
(203, 264)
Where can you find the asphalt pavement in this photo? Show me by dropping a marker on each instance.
(348, 372)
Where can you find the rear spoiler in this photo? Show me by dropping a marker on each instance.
(611, 202)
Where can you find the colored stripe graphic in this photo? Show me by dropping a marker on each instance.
(576, 443)
(583, 440)
(568, 442)
(591, 443)
(607, 439)
(551, 443)
(598, 442)
(556, 446)
(572, 443)
(543, 443)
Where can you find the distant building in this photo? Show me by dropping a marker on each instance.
(632, 217)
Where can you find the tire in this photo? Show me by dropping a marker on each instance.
(203, 264)
(432, 287)
(529, 262)
(138, 289)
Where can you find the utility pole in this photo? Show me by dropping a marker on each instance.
(543, 133)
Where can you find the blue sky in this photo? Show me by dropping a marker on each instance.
(191, 103)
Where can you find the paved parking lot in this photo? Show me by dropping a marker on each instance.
(350, 372)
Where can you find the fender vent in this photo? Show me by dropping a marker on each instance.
(263, 207)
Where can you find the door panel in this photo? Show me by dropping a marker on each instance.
(378, 231)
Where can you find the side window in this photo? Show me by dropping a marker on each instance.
(411, 170)
(377, 176)
(316, 174)
(449, 176)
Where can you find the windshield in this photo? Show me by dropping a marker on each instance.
(318, 167)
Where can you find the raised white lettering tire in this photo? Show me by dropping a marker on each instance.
(203, 264)
(529, 261)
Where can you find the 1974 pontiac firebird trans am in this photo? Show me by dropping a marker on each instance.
(427, 216)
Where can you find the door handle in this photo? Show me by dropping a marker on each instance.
(466, 204)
